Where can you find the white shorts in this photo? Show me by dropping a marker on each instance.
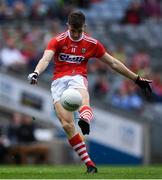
(59, 85)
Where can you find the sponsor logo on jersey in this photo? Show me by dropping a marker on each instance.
(71, 58)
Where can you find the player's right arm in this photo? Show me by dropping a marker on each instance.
(41, 66)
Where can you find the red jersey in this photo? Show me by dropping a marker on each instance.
(71, 56)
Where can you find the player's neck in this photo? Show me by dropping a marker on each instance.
(73, 39)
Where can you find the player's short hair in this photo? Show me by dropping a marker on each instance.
(76, 19)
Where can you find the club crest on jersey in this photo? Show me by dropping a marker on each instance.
(71, 58)
(83, 50)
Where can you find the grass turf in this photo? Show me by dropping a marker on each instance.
(78, 172)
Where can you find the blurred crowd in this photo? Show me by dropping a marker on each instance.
(20, 10)
(139, 10)
(18, 131)
(22, 45)
(41, 10)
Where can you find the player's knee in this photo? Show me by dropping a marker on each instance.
(66, 122)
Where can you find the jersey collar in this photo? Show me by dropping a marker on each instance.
(73, 39)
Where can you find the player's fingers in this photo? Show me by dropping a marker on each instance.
(149, 81)
(34, 81)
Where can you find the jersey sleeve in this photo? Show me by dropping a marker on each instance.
(52, 45)
(100, 50)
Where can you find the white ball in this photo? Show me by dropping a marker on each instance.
(71, 99)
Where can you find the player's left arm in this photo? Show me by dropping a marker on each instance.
(119, 67)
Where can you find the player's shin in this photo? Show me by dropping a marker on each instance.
(86, 113)
(79, 146)
(85, 116)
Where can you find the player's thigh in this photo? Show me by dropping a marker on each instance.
(63, 115)
(85, 95)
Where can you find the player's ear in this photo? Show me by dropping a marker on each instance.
(85, 25)
(68, 25)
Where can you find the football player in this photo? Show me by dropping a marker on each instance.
(71, 51)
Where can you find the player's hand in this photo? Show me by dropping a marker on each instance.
(33, 78)
(144, 84)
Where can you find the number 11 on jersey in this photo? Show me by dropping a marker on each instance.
(73, 49)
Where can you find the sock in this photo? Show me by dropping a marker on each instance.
(79, 146)
(86, 113)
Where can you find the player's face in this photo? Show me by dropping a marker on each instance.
(75, 33)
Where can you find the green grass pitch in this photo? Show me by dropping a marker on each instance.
(78, 172)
